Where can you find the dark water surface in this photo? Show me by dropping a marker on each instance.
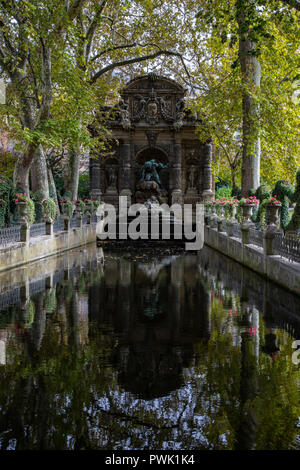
(147, 351)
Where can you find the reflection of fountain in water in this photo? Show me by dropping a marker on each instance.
(151, 270)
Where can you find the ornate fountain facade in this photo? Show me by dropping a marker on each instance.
(152, 123)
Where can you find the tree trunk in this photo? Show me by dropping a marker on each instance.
(39, 173)
(251, 74)
(22, 167)
(71, 183)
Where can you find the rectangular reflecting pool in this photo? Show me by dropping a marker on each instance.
(149, 349)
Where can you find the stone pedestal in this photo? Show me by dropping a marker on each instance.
(191, 196)
(25, 233)
(95, 184)
(49, 228)
(207, 193)
(67, 224)
(126, 172)
(176, 197)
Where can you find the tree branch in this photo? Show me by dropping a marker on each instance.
(122, 46)
(293, 3)
(46, 82)
(135, 60)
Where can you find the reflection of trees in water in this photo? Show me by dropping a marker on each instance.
(190, 377)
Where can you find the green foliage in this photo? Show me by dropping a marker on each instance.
(285, 194)
(83, 186)
(263, 194)
(49, 208)
(294, 224)
(236, 192)
(31, 211)
(68, 195)
(38, 197)
(251, 192)
(30, 314)
(223, 191)
(50, 303)
(7, 162)
(67, 207)
(7, 196)
(89, 205)
(59, 184)
(81, 204)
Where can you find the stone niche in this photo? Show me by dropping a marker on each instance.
(151, 122)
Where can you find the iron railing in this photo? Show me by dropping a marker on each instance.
(74, 222)
(10, 235)
(9, 298)
(59, 225)
(38, 230)
(36, 287)
(287, 247)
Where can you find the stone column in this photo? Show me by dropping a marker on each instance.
(95, 183)
(49, 227)
(207, 193)
(126, 179)
(177, 162)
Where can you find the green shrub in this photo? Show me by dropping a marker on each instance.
(31, 211)
(263, 193)
(285, 194)
(67, 206)
(50, 303)
(7, 197)
(89, 204)
(49, 208)
(38, 197)
(224, 191)
(294, 224)
(84, 186)
(236, 192)
(82, 205)
(67, 195)
(30, 314)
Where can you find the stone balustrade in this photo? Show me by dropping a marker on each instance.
(267, 252)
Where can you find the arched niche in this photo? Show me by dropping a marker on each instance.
(153, 153)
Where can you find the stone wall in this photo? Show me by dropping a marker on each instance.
(273, 267)
(37, 248)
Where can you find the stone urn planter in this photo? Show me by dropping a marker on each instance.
(66, 211)
(231, 219)
(272, 214)
(78, 209)
(22, 211)
(89, 207)
(213, 216)
(246, 214)
(207, 214)
(220, 216)
(232, 212)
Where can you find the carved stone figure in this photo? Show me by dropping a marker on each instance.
(179, 114)
(149, 171)
(152, 110)
(112, 178)
(152, 137)
(191, 180)
(124, 114)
